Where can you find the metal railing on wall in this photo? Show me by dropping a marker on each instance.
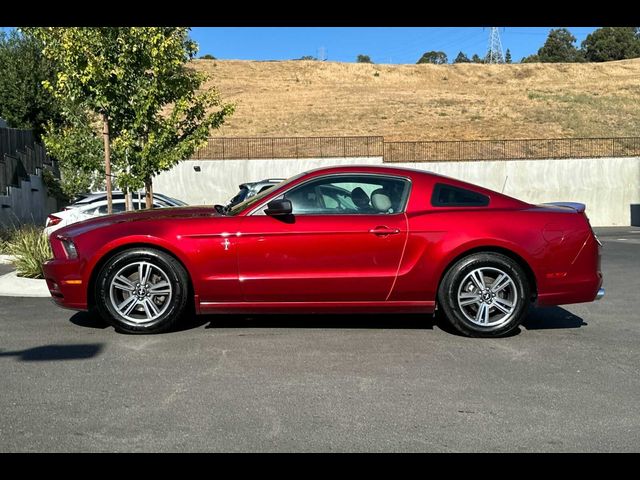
(527, 149)
(228, 148)
(20, 156)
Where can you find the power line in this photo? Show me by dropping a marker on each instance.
(422, 44)
(422, 39)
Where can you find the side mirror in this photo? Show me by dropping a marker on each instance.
(279, 207)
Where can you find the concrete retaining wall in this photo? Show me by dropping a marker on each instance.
(27, 204)
(608, 186)
(218, 180)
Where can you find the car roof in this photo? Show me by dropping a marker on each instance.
(267, 180)
(100, 196)
(498, 198)
(381, 169)
(102, 203)
(388, 170)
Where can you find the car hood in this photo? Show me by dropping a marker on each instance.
(137, 216)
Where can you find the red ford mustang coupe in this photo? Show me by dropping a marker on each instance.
(339, 239)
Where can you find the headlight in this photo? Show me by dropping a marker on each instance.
(69, 247)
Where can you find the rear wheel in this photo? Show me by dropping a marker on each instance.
(485, 295)
(141, 291)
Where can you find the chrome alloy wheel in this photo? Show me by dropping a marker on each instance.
(140, 292)
(487, 297)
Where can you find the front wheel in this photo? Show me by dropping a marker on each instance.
(141, 291)
(485, 295)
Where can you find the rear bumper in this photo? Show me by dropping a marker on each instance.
(65, 283)
(582, 291)
(581, 283)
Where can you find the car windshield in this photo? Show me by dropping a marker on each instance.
(240, 197)
(174, 201)
(236, 209)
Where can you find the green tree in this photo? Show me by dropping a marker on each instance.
(438, 58)
(611, 43)
(78, 149)
(24, 103)
(507, 56)
(559, 47)
(207, 56)
(363, 59)
(476, 58)
(530, 59)
(136, 79)
(461, 58)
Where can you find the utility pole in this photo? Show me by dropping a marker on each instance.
(494, 53)
(127, 193)
(107, 161)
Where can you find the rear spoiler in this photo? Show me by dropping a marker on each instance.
(578, 207)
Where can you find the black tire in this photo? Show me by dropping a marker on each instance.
(492, 263)
(172, 307)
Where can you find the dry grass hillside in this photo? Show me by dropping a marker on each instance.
(429, 102)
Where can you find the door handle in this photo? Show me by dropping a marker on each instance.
(383, 231)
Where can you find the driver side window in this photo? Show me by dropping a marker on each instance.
(349, 195)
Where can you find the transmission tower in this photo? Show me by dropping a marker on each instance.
(495, 55)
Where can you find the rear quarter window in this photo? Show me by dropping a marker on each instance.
(449, 196)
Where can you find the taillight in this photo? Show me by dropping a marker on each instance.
(593, 232)
(53, 220)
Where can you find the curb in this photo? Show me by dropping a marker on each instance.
(11, 285)
(6, 259)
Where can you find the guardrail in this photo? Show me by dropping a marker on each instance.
(527, 149)
(228, 148)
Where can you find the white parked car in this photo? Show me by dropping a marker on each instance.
(95, 205)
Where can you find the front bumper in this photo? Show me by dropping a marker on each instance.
(66, 283)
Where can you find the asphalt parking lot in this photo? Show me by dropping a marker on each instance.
(567, 381)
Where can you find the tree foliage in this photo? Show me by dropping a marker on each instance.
(507, 56)
(476, 58)
(601, 45)
(611, 43)
(24, 103)
(207, 56)
(139, 79)
(559, 47)
(79, 150)
(363, 59)
(461, 58)
(438, 58)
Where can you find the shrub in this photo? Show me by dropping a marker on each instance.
(5, 236)
(30, 247)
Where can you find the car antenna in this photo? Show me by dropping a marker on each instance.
(504, 184)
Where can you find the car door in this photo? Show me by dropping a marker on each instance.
(329, 249)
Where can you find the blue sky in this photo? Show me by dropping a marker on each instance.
(382, 44)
